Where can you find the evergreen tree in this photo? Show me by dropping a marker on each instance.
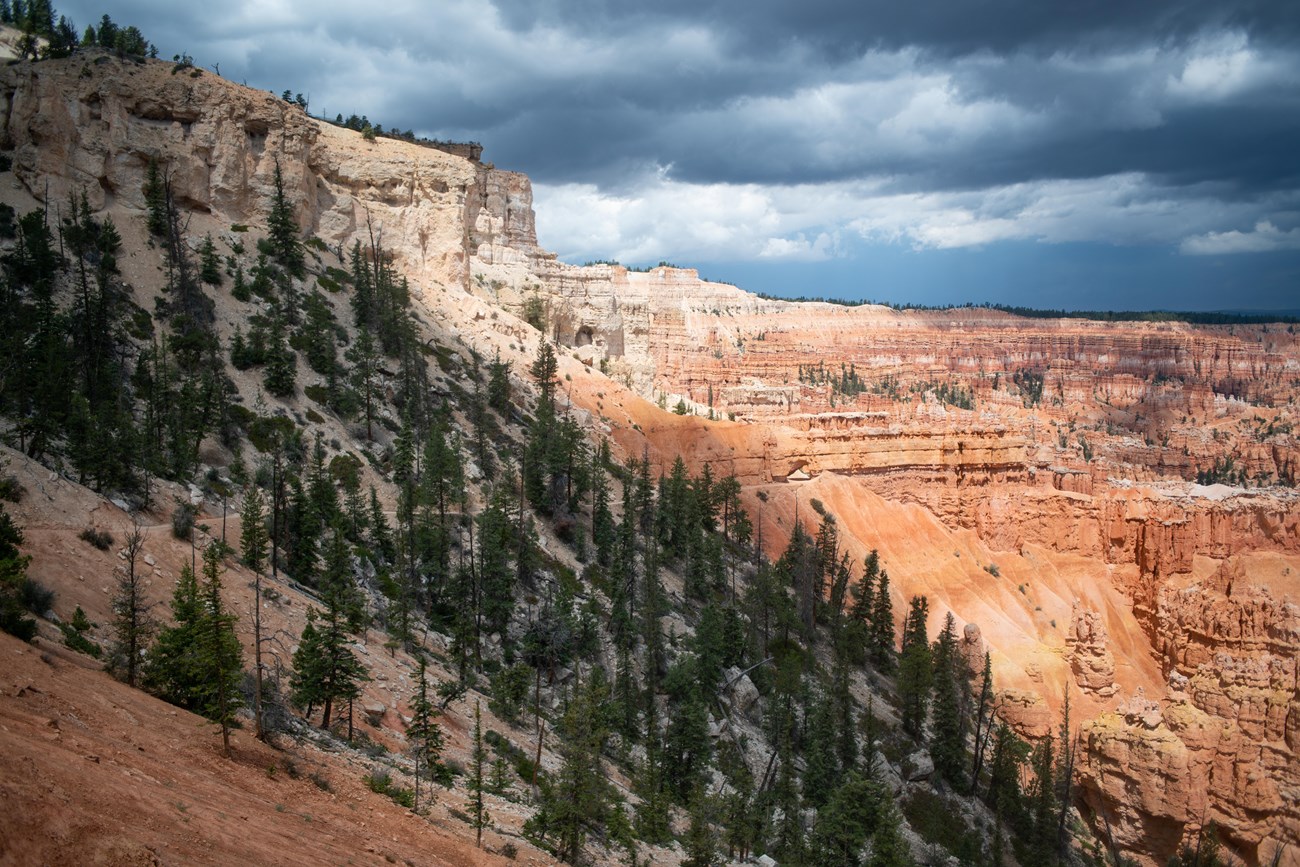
(701, 844)
(155, 191)
(948, 745)
(914, 668)
(172, 669)
(686, 747)
(983, 722)
(132, 625)
(218, 651)
(282, 228)
(849, 817)
(425, 735)
(888, 848)
(498, 387)
(579, 798)
(882, 627)
(253, 537)
(281, 373)
(1042, 804)
(365, 359)
(325, 668)
(846, 745)
(338, 584)
(1064, 778)
(209, 262)
(479, 818)
(821, 767)
(1009, 754)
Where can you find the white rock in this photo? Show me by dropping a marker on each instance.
(918, 766)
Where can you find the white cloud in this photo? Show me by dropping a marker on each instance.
(1265, 238)
(664, 218)
(1221, 67)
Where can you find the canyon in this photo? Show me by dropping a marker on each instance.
(1037, 477)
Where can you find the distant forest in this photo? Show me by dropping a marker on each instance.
(1193, 317)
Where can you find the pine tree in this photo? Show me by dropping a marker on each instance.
(1009, 754)
(253, 539)
(914, 668)
(209, 262)
(132, 625)
(948, 745)
(338, 584)
(155, 195)
(701, 844)
(424, 735)
(477, 785)
(579, 798)
(364, 356)
(849, 817)
(280, 377)
(1064, 777)
(218, 652)
(888, 848)
(498, 387)
(846, 744)
(983, 722)
(1042, 804)
(882, 627)
(325, 668)
(282, 228)
(172, 670)
(821, 767)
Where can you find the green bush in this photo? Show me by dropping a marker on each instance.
(74, 634)
(381, 782)
(36, 597)
(101, 539)
(262, 430)
(183, 519)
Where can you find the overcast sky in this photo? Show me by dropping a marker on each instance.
(1080, 154)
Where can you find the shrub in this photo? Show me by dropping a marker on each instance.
(381, 782)
(74, 634)
(183, 519)
(101, 539)
(10, 489)
(505, 748)
(993, 570)
(36, 597)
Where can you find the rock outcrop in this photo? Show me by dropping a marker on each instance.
(1091, 659)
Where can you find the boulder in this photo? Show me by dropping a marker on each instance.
(918, 766)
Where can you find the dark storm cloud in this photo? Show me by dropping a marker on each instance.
(943, 27)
